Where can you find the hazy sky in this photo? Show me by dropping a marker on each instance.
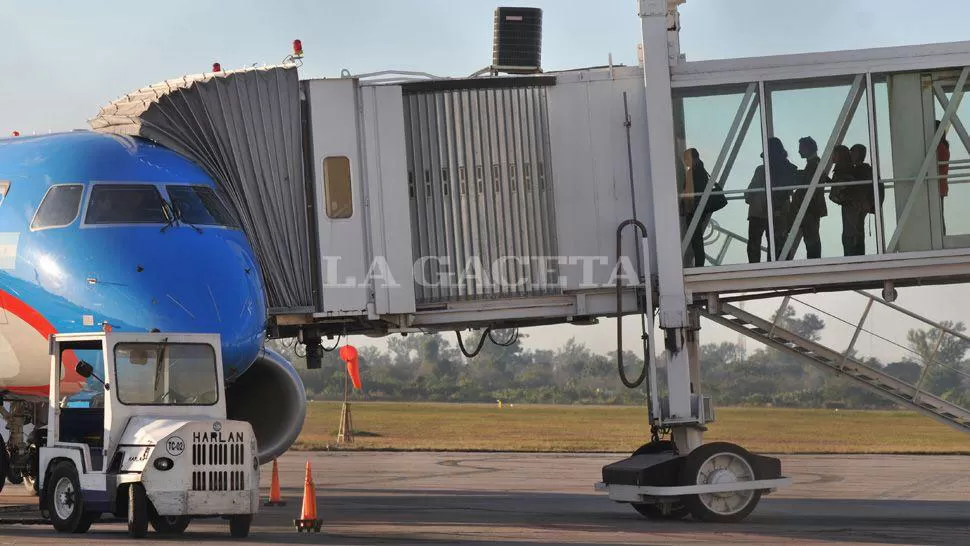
(60, 61)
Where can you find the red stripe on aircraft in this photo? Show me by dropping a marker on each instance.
(44, 327)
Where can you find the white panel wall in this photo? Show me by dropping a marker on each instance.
(385, 165)
(591, 169)
(343, 242)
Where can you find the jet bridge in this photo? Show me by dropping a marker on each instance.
(421, 204)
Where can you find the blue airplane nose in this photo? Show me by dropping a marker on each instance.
(184, 281)
(215, 289)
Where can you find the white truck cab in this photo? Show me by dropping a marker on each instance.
(137, 428)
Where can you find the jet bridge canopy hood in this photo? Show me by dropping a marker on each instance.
(244, 127)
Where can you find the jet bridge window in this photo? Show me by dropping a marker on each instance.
(125, 204)
(200, 205)
(337, 188)
(59, 207)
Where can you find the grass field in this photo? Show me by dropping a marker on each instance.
(482, 427)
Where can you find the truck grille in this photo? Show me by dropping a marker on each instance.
(218, 454)
(218, 480)
(212, 450)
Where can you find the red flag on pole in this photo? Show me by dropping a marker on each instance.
(348, 353)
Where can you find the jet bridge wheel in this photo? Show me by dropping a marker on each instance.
(719, 463)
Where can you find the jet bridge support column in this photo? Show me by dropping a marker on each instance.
(719, 481)
(660, 46)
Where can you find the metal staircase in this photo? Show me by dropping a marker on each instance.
(894, 389)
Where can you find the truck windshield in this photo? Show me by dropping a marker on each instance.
(166, 374)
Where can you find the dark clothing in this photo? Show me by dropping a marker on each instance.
(758, 230)
(813, 240)
(816, 209)
(855, 205)
(853, 230)
(697, 241)
(700, 179)
(783, 175)
(862, 172)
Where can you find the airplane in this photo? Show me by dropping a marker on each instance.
(103, 231)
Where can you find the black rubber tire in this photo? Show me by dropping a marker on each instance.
(137, 511)
(688, 476)
(77, 521)
(653, 512)
(239, 525)
(169, 525)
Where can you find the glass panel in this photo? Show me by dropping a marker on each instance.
(953, 170)
(723, 233)
(59, 207)
(177, 374)
(839, 217)
(336, 181)
(199, 205)
(125, 204)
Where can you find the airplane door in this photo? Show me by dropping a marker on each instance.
(339, 194)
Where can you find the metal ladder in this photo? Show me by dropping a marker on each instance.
(823, 357)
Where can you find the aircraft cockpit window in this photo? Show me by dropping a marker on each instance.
(59, 207)
(199, 205)
(125, 204)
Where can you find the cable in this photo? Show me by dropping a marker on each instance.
(481, 343)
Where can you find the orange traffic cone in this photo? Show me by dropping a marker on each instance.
(275, 499)
(308, 518)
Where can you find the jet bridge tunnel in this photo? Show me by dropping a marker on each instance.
(382, 207)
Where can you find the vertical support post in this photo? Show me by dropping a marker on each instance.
(927, 364)
(663, 178)
(874, 158)
(855, 335)
(778, 315)
(766, 162)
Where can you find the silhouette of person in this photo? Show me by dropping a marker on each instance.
(943, 169)
(852, 198)
(696, 181)
(809, 228)
(782, 176)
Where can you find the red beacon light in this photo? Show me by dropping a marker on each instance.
(297, 48)
(15, 133)
(216, 67)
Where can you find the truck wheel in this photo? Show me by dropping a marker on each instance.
(239, 525)
(65, 502)
(720, 463)
(137, 511)
(169, 525)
